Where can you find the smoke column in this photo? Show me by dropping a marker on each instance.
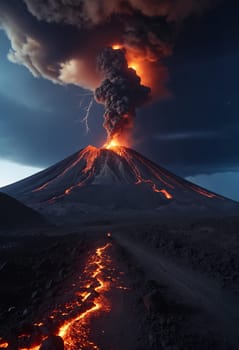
(121, 91)
(60, 40)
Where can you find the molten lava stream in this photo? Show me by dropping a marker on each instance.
(75, 331)
(89, 301)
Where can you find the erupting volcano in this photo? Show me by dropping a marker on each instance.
(107, 249)
(111, 178)
(114, 176)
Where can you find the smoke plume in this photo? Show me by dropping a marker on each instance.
(120, 92)
(61, 39)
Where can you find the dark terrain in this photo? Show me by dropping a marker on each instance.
(181, 283)
(15, 214)
(135, 258)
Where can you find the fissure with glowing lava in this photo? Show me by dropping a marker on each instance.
(90, 300)
(90, 155)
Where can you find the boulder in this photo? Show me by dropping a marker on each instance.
(53, 342)
(155, 302)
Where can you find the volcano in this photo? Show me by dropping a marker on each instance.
(101, 179)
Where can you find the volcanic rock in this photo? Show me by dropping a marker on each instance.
(53, 342)
(154, 302)
(98, 180)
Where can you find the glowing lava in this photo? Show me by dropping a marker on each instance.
(139, 178)
(164, 192)
(3, 344)
(76, 330)
(92, 164)
(112, 144)
(88, 300)
(115, 146)
(117, 46)
(89, 154)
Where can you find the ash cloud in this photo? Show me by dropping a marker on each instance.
(85, 12)
(61, 39)
(121, 91)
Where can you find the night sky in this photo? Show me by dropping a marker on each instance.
(193, 132)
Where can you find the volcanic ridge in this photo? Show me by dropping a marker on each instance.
(115, 178)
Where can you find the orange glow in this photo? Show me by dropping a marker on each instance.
(158, 179)
(138, 66)
(117, 46)
(77, 328)
(136, 61)
(3, 345)
(204, 192)
(112, 144)
(148, 67)
(164, 192)
(137, 173)
(90, 153)
(38, 324)
(116, 144)
(90, 301)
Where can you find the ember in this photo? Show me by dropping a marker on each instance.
(3, 345)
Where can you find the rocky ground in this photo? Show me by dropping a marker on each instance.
(172, 321)
(207, 245)
(34, 277)
(39, 277)
(180, 280)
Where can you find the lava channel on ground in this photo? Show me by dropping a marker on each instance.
(72, 321)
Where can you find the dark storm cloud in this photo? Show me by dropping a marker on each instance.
(196, 131)
(186, 135)
(42, 138)
(203, 154)
(65, 49)
(61, 40)
(204, 81)
(54, 51)
(81, 12)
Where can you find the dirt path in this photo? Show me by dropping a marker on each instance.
(212, 309)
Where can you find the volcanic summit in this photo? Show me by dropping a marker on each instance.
(111, 179)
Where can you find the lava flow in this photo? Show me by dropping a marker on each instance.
(114, 162)
(91, 156)
(116, 147)
(88, 299)
(75, 331)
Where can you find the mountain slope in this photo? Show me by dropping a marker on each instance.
(14, 214)
(117, 178)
